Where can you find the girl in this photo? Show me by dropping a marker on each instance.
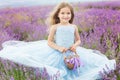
(49, 53)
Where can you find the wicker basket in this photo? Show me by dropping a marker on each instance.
(72, 61)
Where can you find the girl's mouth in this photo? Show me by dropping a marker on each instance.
(66, 18)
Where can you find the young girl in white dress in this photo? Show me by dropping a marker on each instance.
(63, 37)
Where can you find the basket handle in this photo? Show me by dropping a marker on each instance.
(70, 50)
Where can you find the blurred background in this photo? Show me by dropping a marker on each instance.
(98, 22)
(16, 3)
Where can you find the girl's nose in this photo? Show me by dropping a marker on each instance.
(65, 15)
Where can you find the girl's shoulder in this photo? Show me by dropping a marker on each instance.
(70, 25)
(75, 26)
(55, 26)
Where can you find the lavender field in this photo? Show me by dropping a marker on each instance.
(98, 24)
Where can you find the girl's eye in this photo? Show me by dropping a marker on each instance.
(62, 13)
(68, 13)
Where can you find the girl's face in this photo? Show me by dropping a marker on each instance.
(64, 15)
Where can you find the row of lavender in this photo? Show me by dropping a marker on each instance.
(99, 28)
(13, 71)
(23, 23)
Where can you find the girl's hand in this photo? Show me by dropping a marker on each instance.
(73, 48)
(62, 49)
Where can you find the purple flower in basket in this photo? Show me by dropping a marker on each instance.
(72, 61)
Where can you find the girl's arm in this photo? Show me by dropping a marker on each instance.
(77, 37)
(77, 40)
(51, 40)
